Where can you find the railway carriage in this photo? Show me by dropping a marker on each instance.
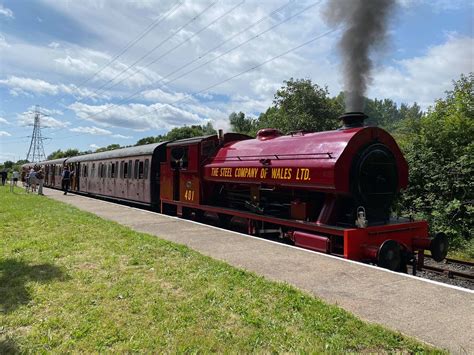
(128, 174)
(52, 172)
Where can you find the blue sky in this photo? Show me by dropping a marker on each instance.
(58, 54)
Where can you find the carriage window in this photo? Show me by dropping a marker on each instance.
(125, 171)
(135, 171)
(140, 170)
(145, 173)
(179, 158)
(130, 170)
(121, 169)
(93, 170)
(112, 174)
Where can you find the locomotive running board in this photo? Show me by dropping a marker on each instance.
(300, 225)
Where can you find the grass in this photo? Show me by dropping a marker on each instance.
(464, 252)
(70, 281)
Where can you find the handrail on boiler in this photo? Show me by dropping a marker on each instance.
(326, 155)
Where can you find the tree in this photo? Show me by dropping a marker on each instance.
(301, 105)
(149, 140)
(109, 147)
(383, 113)
(180, 133)
(440, 154)
(189, 132)
(58, 154)
(8, 164)
(242, 124)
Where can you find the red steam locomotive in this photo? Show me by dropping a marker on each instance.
(328, 191)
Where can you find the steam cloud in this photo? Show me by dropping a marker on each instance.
(365, 23)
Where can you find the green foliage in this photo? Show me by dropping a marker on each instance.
(439, 149)
(109, 147)
(8, 164)
(301, 105)
(242, 124)
(385, 113)
(58, 154)
(149, 140)
(180, 133)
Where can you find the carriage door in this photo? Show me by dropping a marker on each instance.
(77, 175)
(179, 160)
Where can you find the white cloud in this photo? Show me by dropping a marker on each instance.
(92, 130)
(54, 45)
(91, 63)
(94, 146)
(3, 121)
(4, 134)
(121, 136)
(3, 42)
(96, 131)
(27, 119)
(6, 12)
(27, 84)
(4, 156)
(425, 78)
(162, 96)
(138, 117)
(21, 86)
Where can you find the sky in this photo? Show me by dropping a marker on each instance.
(115, 71)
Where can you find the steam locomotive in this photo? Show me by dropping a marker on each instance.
(330, 192)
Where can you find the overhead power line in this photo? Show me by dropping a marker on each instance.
(134, 41)
(138, 70)
(249, 69)
(153, 49)
(215, 58)
(314, 39)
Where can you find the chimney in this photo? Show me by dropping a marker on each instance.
(353, 119)
(221, 136)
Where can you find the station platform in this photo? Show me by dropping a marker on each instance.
(437, 314)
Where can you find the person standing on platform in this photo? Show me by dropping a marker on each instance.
(66, 176)
(4, 176)
(32, 180)
(40, 180)
(15, 177)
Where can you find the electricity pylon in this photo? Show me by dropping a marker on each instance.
(36, 151)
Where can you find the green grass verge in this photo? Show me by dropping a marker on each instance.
(70, 281)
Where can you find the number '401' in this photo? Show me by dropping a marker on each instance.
(189, 195)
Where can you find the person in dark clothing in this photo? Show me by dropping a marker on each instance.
(66, 178)
(4, 177)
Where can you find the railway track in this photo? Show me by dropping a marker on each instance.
(452, 268)
(452, 271)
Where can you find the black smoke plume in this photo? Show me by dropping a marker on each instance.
(365, 30)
